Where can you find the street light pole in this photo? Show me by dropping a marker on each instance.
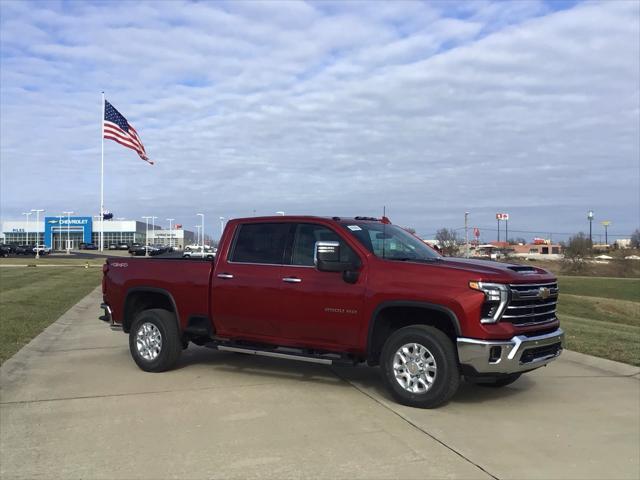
(202, 215)
(606, 224)
(170, 231)
(198, 228)
(221, 228)
(59, 232)
(146, 236)
(466, 234)
(68, 214)
(590, 218)
(37, 210)
(27, 214)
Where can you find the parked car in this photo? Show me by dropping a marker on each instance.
(113, 246)
(123, 246)
(140, 250)
(207, 253)
(41, 250)
(9, 248)
(5, 250)
(24, 250)
(88, 246)
(341, 290)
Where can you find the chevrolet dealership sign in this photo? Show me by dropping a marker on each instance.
(55, 225)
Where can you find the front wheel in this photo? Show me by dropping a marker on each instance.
(419, 366)
(154, 340)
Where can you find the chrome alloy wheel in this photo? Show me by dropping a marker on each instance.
(149, 341)
(414, 368)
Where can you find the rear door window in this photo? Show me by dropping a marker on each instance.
(260, 243)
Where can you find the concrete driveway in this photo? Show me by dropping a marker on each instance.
(74, 405)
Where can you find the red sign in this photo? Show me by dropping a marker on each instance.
(476, 232)
(178, 226)
(502, 216)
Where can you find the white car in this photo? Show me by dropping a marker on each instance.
(197, 252)
(42, 249)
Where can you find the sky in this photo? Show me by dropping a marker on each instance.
(427, 109)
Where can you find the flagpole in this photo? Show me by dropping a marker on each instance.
(102, 179)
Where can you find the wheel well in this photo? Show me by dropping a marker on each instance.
(138, 301)
(392, 318)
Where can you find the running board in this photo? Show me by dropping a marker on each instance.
(301, 357)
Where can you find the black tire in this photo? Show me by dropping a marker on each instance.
(171, 341)
(497, 382)
(447, 376)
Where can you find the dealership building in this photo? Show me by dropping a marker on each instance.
(55, 232)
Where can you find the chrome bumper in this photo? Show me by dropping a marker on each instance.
(519, 354)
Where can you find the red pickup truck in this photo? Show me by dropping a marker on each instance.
(341, 290)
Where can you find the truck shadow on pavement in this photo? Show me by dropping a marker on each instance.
(363, 378)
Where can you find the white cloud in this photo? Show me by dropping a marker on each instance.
(328, 108)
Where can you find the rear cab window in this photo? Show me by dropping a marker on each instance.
(262, 243)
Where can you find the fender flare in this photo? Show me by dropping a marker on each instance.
(409, 303)
(157, 290)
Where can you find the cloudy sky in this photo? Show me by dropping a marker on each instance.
(328, 108)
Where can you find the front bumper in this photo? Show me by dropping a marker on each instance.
(520, 354)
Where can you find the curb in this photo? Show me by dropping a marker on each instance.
(609, 366)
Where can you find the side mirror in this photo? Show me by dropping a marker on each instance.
(326, 257)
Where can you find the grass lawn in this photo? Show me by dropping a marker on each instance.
(33, 298)
(601, 317)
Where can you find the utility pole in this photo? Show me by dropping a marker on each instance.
(606, 224)
(202, 226)
(27, 214)
(466, 234)
(37, 210)
(146, 236)
(170, 231)
(68, 214)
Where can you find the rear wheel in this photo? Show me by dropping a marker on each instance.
(154, 340)
(419, 366)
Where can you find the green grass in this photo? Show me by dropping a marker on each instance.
(601, 317)
(619, 288)
(33, 298)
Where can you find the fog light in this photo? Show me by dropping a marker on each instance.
(494, 354)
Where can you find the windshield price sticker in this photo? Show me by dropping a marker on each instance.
(354, 228)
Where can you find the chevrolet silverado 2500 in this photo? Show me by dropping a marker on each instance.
(341, 290)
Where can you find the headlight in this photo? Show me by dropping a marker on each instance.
(496, 297)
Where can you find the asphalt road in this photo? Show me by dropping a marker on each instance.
(74, 405)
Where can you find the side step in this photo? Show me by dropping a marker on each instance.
(289, 354)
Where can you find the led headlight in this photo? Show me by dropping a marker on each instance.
(496, 297)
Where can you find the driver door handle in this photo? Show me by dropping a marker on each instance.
(292, 280)
(224, 275)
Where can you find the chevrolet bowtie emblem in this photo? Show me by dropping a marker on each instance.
(544, 293)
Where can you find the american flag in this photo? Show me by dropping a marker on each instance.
(115, 127)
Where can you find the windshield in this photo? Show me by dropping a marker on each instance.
(391, 242)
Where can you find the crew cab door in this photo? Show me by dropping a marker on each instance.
(319, 308)
(247, 282)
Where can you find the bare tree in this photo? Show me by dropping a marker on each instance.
(635, 239)
(577, 250)
(448, 241)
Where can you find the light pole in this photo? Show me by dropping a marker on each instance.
(466, 234)
(27, 214)
(221, 228)
(606, 224)
(120, 219)
(280, 212)
(198, 227)
(146, 236)
(170, 231)
(590, 218)
(37, 210)
(68, 214)
(153, 228)
(202, 215)
(59, 232)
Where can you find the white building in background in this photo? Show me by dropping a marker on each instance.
(56, 231)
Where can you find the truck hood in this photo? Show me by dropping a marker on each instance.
(497, 271)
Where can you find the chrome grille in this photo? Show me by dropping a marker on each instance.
(532, 303)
